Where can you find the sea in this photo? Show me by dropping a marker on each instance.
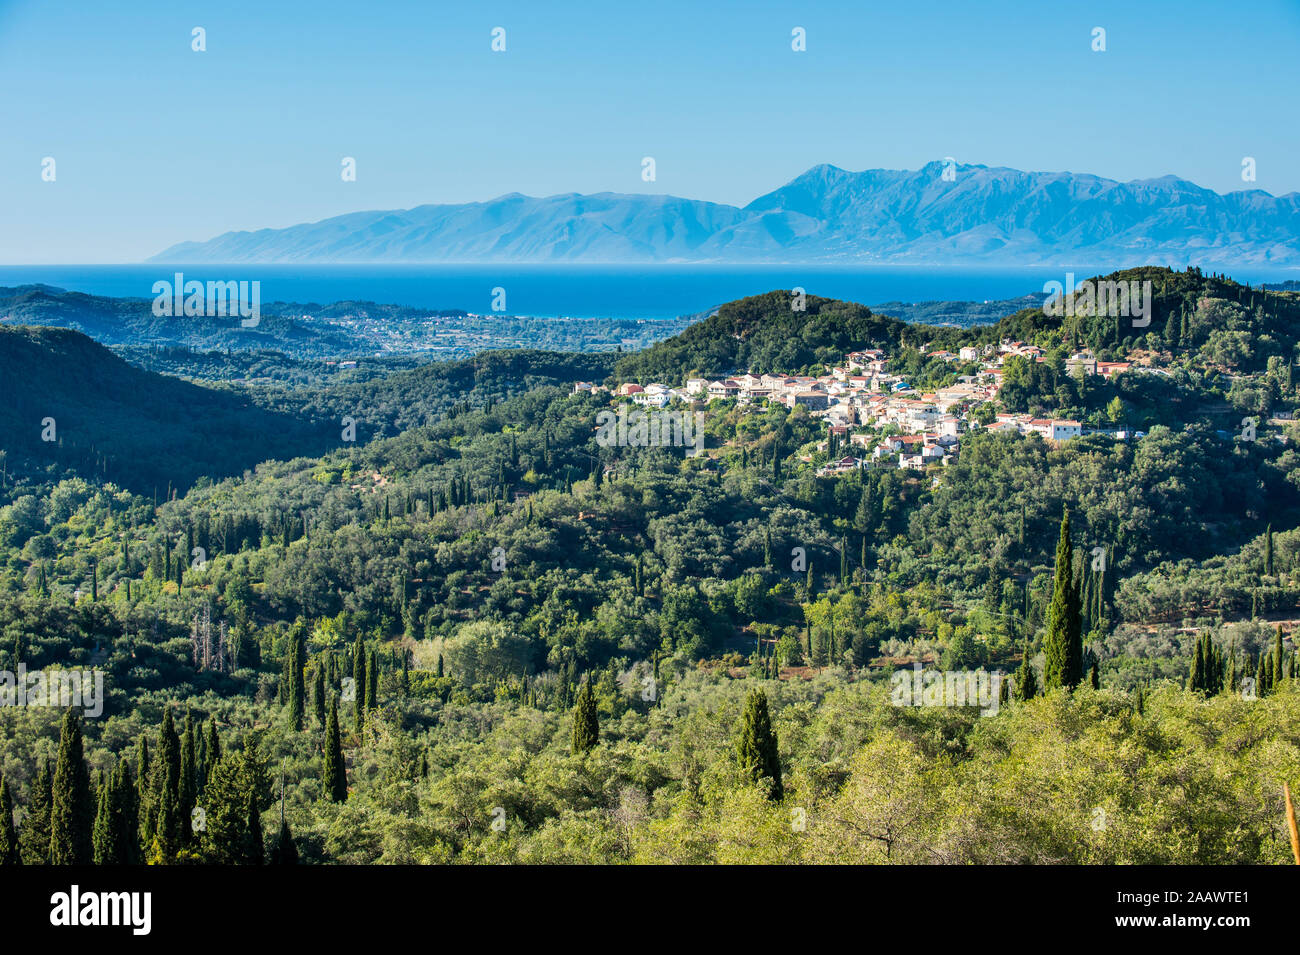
(576, 291)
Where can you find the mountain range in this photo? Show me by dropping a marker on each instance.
(973, 215)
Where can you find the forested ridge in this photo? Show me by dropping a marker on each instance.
(474, 634)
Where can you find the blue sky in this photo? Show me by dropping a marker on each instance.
(155, 143)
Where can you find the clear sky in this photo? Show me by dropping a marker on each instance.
(155, 143)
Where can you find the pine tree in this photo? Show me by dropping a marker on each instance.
(71, 812)
(756, 746)
(1063, 643)
(335, 775)
(8, 835)
(586, 722)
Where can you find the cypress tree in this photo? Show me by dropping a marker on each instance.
(187, 788)
(1196, 680)
(297, 664)
(8, 835)
(359, 681)
(1278, 659)
(1268, 551)
(1026, 681)
(144, 794)
(167, 825)
(372, 681)
(586, 722)
(318, 695)
(255, 853)
(283, 852)
(756, 746)
(34, 839)
(1095, 676)
(335, 775)
(128, 810)
(1063, 643)
(214, 742)
(71, 812)
(106, 838)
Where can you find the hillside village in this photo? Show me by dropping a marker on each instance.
(877, 419)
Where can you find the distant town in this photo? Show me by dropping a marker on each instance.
(877, 419)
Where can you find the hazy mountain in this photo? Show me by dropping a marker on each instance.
(827, 215)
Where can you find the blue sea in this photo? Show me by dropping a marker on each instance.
(578, 291)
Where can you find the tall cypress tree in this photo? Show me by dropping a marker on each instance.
(335, 775)
(127, 807)
(168, 828)
(297, 665)
(34, 840)
(1026, 681)
(187, 788)
(318, 694)
(1063, 643)
(1196, 680)
(372, 681)
(359, 682)
(214, 742)
(8, 835)
(106, 838)
(284, 852)
(71, 810)
(586, 721)
(1279, 659)
(144, 796)
(756, 746)
(255, 852)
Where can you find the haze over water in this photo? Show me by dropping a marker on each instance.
(582, 291)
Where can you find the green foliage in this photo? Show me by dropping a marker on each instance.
(756, 746)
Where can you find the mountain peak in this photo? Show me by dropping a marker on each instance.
(944, 213)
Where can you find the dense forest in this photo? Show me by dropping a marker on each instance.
(472, 633)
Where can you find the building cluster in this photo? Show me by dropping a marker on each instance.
(874, 416)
